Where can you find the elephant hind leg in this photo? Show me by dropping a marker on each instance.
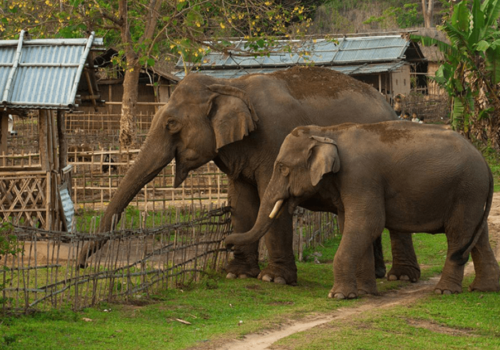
(380, 269)
(459, 230)
(404, 260)
(485, 265)
(244, 202)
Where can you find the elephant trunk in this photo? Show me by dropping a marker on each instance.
(270, 207)
(151, 160)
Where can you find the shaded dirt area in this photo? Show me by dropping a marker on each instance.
(401, 297)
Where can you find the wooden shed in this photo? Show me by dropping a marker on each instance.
(44, 76)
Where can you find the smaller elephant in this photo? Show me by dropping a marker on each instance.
(402, 176)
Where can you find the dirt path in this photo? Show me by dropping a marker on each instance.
(403, 296)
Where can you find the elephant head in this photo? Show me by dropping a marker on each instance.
(302, 162)
(202, 116)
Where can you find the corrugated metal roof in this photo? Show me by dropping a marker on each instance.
(42, 73)
(320, 52)
(347, 69)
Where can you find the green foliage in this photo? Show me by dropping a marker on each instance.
(472, 66)
(404, 17)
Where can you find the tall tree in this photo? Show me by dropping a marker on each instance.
(428, 12)
(147, 31)
(471, 71)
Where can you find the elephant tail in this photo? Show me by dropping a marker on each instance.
(463, 254)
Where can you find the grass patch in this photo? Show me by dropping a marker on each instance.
(134, 218)
(463, 321)
(214, 307)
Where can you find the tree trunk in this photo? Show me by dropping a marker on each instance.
(128, 136)
(428, 11)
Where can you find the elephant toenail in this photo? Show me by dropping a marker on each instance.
(447, 292)
(267, 278)
(404, 278)
(352, 296)
(392, 278)
(279, 280)
(231, 276)
(339, 296)
(242, 276)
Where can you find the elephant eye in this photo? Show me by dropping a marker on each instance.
(284, 170)
(173, 125)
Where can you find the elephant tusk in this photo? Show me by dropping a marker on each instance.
(276, 208)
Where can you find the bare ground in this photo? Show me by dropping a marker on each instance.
(404, 296)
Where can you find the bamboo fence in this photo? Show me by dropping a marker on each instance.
(186, 245)
(97, 174)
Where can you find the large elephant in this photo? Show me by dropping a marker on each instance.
(403, 176)
(240, 125)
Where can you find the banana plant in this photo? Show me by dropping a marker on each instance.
(470, 73)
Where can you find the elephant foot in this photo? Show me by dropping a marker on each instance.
(278, 280)
(446, 288)
(404, 273)
(487, 277)
(439, 291)
(367, 288)
(485, 285)
(343, 292)
(279, 275)
(237, 269)
(341, 296)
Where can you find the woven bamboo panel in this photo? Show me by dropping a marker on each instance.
(23, 198)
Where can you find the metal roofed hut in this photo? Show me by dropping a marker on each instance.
(155, 88)
(390, 63)
(44, 75)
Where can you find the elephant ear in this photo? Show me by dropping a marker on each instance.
(323, 158)
(232, 114)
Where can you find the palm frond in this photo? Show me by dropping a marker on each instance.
(493, 64)
(445, 48)
(491, 9)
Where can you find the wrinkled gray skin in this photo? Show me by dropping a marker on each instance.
(240, 124)
(403, 176)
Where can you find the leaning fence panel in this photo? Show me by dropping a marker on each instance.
(188, 244)
(46, 274)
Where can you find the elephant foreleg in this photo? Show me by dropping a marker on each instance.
(279, 242)
(244, 201)
(404, 261)
(377, 254)
(365, 273)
